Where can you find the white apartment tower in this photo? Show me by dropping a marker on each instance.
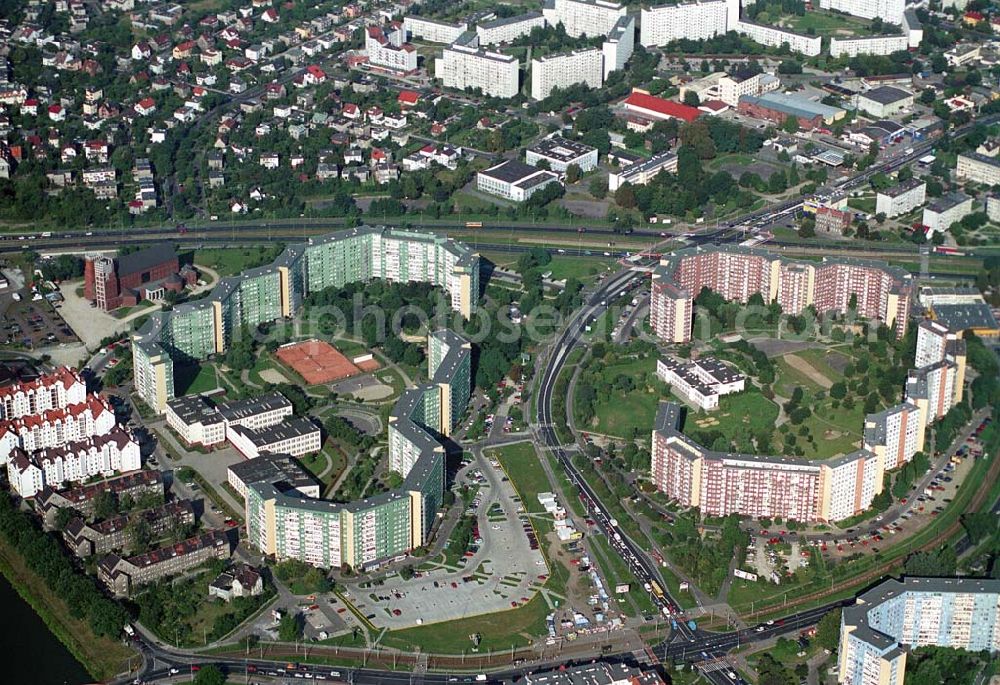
(584, 17)
(696, 20)
(566, 69)
(619, 45)
(461, 67)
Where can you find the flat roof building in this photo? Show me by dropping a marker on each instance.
(513, 180)
(560, 152)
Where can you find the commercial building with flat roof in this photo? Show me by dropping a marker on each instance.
(884, 101)
(560, 152)
(778, 107)
(273, 468)
(513, 180)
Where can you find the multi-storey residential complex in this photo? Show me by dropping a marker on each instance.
(959, 613)
(977, 167)
(872, 45)
(882, 292)
(74, 462)
(81, 498)
(56, 390)
(559, 153)
(365, 533)
(584, 17)
(697, 20)
(56, 427)
(702, 381)
(513, 180)
(197, 330)
(993, 208)
(508, 29)
(86, 539)
(432, 30)
(721, 483)
(775, 38)
(643, 172)
(896, 434)
(890, 11)
(619, 45)
(386, 48)
(295, 435)
(124, 576)
(464, 65)
(943, 212)
(901, 199)
(566, 69)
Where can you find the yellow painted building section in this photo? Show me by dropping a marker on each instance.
(285, 283)
(220, 337)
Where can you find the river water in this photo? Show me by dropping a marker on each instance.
(34, 655)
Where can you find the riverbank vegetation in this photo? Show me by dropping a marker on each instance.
(72, 606)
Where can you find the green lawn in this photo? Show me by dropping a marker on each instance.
(744, 412)
(525, 471)
(500, 630)
(827, 23)
(580, 268)
(620, 414)
(230, 261)
(789, 378)
(193, 379)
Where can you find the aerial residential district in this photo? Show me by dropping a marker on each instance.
(532, 342)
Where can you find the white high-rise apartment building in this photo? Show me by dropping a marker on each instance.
(890, 11)
(462, 67)
(697, 20)
(584, 17)
(619, 45)
(932, 342)
(566, 69)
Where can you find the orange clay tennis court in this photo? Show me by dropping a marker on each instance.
(319, 362)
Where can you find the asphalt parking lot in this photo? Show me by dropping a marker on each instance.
(503, 573)
(34, 324)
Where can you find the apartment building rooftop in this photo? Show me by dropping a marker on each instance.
(902, 188)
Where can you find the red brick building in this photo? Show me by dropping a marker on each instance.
(124, 281)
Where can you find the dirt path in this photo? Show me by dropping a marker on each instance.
(802, 366)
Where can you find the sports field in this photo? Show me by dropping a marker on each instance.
(319, 362)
